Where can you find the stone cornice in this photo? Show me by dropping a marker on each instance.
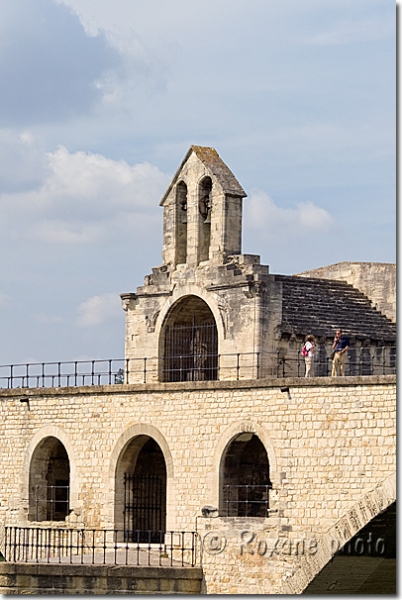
(292, 383)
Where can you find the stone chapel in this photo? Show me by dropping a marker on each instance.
(211, 312)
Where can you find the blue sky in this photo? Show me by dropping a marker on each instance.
(99, 103)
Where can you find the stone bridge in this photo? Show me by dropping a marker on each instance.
(325, 446)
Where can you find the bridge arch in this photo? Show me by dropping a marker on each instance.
(243, 428)
(371, 505)
(49, 442)
(140, 445)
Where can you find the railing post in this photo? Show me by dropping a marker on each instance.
(127, 369)
(15, 544)
(5, 542)
(145, 370)
(258, 365)
(237, 366)
(115, 546)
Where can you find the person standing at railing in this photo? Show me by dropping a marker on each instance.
(339, 347)
(308, 352)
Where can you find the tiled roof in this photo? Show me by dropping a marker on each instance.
(320, 306)
(211, 159)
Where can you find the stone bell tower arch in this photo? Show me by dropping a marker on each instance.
(202, 211)
(202, 239)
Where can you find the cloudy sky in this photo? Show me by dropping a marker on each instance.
(99, 103)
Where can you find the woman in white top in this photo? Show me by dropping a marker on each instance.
(309, 345)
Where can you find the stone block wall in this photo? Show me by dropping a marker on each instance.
(97, 579)
(329, 442)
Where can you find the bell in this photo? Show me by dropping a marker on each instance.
(208, 217)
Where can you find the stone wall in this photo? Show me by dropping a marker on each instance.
(329, 443)
(97, 579)
(376, 280)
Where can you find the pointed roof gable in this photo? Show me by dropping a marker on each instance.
(211, 159)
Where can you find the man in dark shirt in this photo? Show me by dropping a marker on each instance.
(340, 345)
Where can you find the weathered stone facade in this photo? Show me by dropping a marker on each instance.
(328, 446)
(261, 319)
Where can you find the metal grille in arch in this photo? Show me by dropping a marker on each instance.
(191, 352)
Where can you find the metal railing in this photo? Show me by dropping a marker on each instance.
(51, 502)
(117, 371)
(60, 374)
(379, 360)
(99, 546)
(246, 500)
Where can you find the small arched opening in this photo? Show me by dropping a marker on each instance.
(141, 491)
(245, 481)
(190, 345)
(204, 218)
(49, 482)
(181, 223)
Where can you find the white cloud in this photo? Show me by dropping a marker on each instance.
(98, 310)
(84, 198)
(264, 215)
(64, 233)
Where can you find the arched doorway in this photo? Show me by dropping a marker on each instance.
(49, 482)
(245, 481)
(141, 491)
(190, 342)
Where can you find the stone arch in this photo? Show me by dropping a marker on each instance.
(123, 461)
(189, 341)
(204, 217)
(369, 506)
(224, 442)
(177, 295)
(181, 222)
(39, 450)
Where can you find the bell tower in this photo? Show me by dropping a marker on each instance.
(202, 219)
(200, 316)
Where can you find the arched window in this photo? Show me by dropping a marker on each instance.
(245, 481)
(141, 491)
(190, 342)
(204, 218)
(49, 482)
(181, 223)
